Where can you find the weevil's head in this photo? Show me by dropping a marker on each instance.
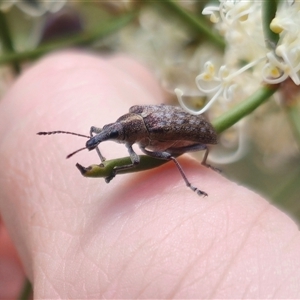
(110, 132)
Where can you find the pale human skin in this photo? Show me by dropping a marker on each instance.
(143, 235)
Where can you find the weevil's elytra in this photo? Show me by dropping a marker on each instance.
(165, 122)
(161, 131)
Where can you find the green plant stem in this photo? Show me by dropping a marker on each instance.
(222, 123)
(105, 168)
(80, 39)
(197, 23)
(244, 108)
(26, 291)
(269, 9)
(6, 41)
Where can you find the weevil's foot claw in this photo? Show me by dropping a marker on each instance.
(82, 169)
(201, 193)
(109, 178)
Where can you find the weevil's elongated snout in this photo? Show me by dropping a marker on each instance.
(92, 143)
(111, 132)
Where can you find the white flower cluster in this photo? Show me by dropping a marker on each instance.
(247, 60)
(284, 62)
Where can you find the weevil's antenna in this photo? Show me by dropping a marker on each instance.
(71, 154)
(66, 132)
(59, 131)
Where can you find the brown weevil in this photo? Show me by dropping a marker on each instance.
(161, 131)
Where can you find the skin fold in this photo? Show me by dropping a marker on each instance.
(143, 235)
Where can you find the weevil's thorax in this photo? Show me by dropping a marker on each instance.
(134, 128)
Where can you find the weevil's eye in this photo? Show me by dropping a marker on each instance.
(113, 134)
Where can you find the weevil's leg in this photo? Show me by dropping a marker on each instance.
(168, 156)
(135, 159)
(206, 164)
(193, 188)
(194, 148)
(97, 130)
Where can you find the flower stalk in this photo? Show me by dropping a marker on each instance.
(197, 23)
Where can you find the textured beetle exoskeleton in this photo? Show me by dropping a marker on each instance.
(161, 131)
